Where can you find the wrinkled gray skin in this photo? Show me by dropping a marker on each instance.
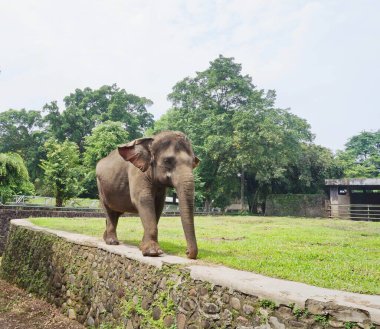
(134, 178)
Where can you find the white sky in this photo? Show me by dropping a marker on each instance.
(322, 57)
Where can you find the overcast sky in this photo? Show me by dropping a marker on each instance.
(322, 57)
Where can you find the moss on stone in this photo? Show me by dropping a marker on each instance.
(161, 300)
(27, 260)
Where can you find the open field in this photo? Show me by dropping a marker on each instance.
(338, 254)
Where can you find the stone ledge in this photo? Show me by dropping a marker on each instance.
(283, 291)
(344, 306)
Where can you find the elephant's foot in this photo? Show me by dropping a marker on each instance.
(150, 248)
(110, 239)
(192, 253)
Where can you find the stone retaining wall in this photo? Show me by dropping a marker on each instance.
(116, 287)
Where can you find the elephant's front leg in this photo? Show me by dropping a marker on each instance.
(149, 244)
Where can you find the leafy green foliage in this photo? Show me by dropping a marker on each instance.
(62, 170)
(299, 312)
(266, 303)
(269, 141)
(349, 325)
(361, 158)
(14, 177)
(25, 132)
(103, 139)
(306, 174)
(22, 132)
(322, 319)
(85, 108)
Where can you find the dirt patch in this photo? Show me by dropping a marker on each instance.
(20, 310)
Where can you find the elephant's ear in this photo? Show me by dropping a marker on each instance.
(137, 152)
(196, 162)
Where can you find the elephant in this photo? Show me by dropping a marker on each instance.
(134, 178)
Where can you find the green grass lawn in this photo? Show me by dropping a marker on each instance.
(338, 254)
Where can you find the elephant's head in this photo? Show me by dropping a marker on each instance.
(169, 160)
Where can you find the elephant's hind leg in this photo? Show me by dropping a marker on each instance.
(112, 218)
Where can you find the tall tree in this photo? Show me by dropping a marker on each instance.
(269, 140)
(203, 107)
(86, 108)
(103, 139)
(235, 129)
(22, 132)
(14, 177)
(62, 170)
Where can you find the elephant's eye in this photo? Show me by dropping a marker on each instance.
(168, 162)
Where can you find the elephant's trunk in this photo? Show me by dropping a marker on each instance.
(185, 191)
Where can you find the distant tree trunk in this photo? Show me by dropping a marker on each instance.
(254, 201)
(252, 189)
(59, 200)
(242, 189)
(207, 205)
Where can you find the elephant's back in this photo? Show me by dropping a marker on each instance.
(113, 162)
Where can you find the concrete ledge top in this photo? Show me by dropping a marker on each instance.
(277, 290)
(353, 182)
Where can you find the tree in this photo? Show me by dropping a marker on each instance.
(364, 145)
(268, 140)
(103, 139)
(86, 108)
(21, 132)
(203, 108)
(361, 157)
(235, 129)
(14, 177)
(308, 172)
(62, 170)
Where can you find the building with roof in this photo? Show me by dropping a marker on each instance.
(354, 198)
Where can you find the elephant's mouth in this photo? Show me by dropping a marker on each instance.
(169, 183)
(169, 180)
